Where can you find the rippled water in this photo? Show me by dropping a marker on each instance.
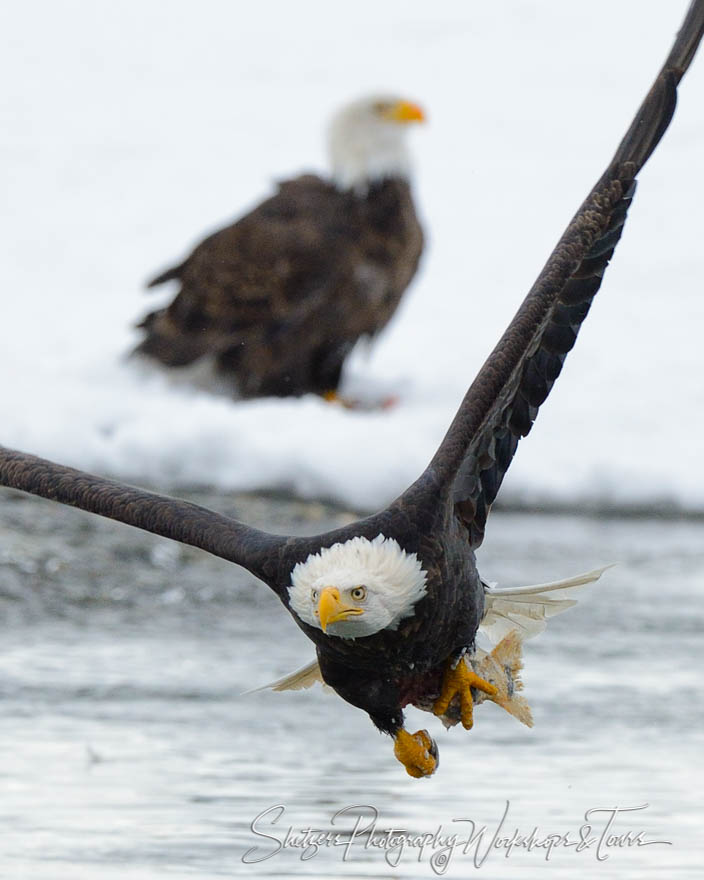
(127, 749)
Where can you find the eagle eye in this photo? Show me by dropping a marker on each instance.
(359, 593)
(314, 595)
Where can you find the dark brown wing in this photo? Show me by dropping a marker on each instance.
(257, 551)
(284, 293)
(502, 402)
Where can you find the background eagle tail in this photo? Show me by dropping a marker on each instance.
(167, 343)
(527, 609)
(172, 274)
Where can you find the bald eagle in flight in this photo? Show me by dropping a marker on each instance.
(393, 602)
(276, 302)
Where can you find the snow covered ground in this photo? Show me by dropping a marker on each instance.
(129, 130)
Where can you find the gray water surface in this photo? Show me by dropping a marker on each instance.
(128, 750)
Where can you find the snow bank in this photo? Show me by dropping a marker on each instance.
(132, 130)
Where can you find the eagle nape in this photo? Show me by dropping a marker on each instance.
(394, 601)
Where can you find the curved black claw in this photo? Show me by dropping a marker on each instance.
(433, 750)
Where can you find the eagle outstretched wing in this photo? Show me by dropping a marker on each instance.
(257, 551)
(502, 402)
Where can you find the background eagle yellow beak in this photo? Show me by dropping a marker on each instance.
(331, 608)
(406, 111)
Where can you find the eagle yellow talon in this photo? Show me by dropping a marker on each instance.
(417, 752)
(460, 680)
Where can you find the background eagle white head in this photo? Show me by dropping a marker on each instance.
(367, 140)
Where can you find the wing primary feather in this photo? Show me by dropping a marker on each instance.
(658, 107)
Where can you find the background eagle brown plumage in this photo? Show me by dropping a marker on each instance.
(279, 298)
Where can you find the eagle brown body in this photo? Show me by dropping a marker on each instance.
(280, 298)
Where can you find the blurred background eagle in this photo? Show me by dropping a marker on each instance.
(275, 302)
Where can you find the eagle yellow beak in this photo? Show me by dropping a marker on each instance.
(331, 608)
(406, 111)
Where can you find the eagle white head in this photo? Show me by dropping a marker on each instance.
(367, 140)
(357, 588)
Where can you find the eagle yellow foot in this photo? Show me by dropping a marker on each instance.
(417, 752)
(460, 679)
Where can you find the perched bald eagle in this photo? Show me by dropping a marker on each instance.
(278, 300)
(393, 602)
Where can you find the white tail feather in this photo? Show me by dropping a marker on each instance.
(527, 609)
(302, 678)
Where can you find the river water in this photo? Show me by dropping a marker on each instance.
(129, 751)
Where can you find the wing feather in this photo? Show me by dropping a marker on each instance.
(257, 551)
(503, 401)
